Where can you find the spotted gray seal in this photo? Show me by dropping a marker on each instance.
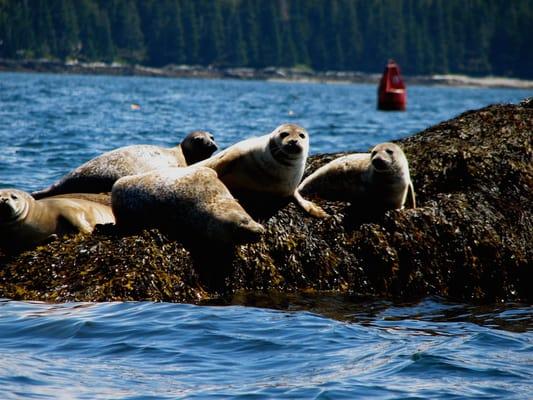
(188, 202)
(273, 164)
(379, 180)
(25, 222)
(99, 174)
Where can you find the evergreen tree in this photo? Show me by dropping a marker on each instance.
(165, 35)
(18, 39)
(250, 25)
(350, 37)
(126, 29)
(190, 31)
(269, 30)
(46, 46)
(425, 36)
(235, 47)
(212, 33)
(66, 28)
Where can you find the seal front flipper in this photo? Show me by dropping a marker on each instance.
(411, 199)
(310, 207)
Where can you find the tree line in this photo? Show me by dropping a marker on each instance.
(475, 37)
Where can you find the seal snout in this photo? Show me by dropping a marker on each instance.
(9, 206)
(293, 146)
(5, 207)
(380, 164)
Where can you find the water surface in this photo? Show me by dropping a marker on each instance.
(323, 347)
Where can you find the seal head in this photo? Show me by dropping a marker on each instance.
(289, 144)
(14, 206)
(388, 158)
(197, 146)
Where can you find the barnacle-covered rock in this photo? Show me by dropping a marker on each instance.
(469, 239)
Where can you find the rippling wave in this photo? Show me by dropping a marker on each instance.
(140, 350)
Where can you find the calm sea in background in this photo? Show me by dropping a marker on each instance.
(324, 347)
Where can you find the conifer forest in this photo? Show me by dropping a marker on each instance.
(474, 37)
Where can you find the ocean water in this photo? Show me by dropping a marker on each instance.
(327, 347)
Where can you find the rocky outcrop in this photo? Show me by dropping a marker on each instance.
(470, 239)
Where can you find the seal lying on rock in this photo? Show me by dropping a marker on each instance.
(25, 222)
(188, 202)
(378, 180)
(272, 164)
(99, 174)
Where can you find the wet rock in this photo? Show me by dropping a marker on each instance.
(469, 239)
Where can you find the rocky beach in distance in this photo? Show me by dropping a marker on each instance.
(278, 74)
(469, 239)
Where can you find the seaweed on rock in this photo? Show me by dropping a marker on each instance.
(470, 239)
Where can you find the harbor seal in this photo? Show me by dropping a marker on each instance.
(99, 174)
(25, 222)
(190, 203)
(375, 181)
(271, 164)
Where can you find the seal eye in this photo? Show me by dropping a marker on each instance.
(283, 134)
(389, 152)
(212, 137)
(302, 135)
(373, 153)
(14, 197)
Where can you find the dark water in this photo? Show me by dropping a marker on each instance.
(325, 347)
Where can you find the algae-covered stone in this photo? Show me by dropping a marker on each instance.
(469, 239)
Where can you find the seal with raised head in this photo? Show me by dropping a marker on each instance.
(273, 164)
(99, 174)
(190, 203)
(25, 222)
(379, 180)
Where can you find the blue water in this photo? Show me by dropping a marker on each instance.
(325, 347)
(50, 124)
(150, 350)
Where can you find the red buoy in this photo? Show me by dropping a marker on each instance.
(392, 94)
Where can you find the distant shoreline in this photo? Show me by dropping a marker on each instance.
(277, 74)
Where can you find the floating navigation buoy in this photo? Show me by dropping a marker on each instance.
(392, 94)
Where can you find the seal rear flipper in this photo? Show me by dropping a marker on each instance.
(70, 185)
(69, 225)
(310, 207)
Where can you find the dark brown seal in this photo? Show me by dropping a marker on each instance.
(99, 174)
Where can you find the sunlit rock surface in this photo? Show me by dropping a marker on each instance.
(470, 239)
